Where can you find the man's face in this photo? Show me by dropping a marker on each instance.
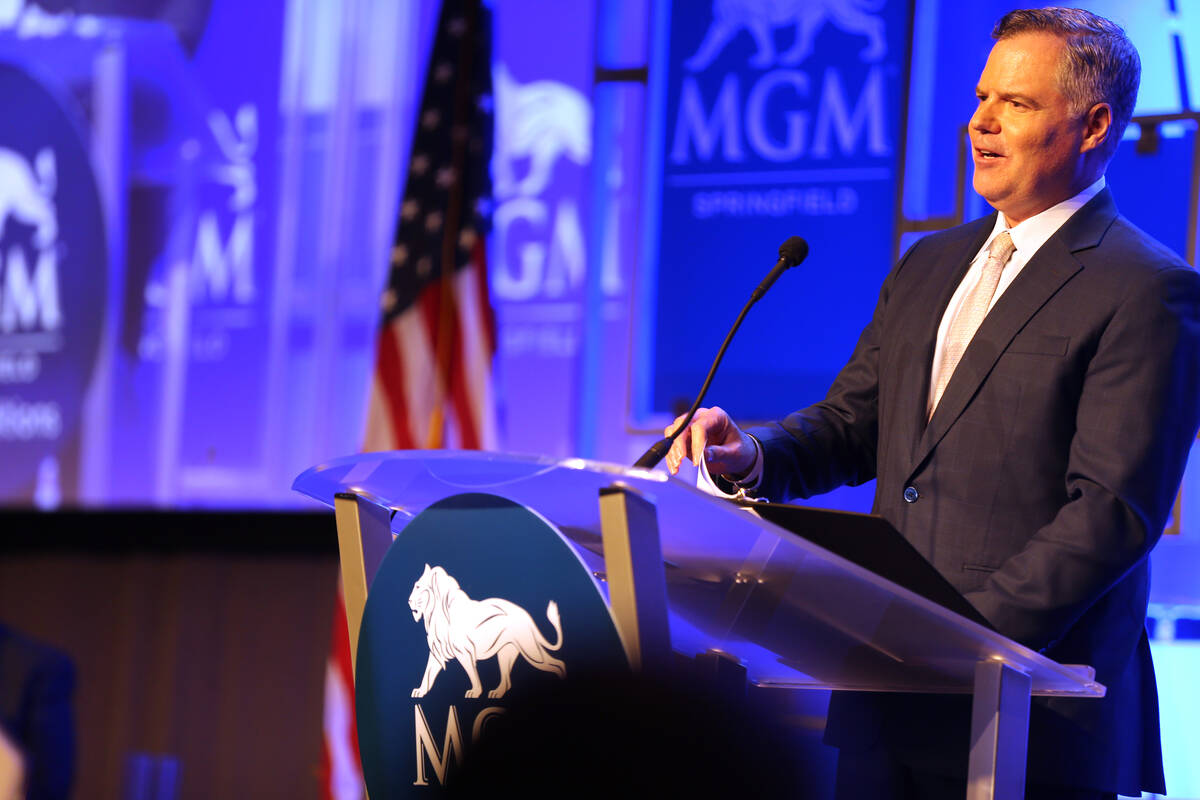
(1026, 144)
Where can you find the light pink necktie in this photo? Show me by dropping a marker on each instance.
(971, 313)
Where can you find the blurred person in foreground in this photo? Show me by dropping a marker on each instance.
(618, 737)
(1025, 396)
(37, 683)
(12, 770)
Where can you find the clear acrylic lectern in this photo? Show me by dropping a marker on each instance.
(792, 613)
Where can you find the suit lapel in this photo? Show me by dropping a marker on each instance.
(1052, 266)
(942, 278)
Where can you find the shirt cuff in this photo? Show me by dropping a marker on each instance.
(721, 485)
(754, 478)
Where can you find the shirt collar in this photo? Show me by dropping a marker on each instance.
(1031, 234)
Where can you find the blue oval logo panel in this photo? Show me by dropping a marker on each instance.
(53, 282)
(477, 603)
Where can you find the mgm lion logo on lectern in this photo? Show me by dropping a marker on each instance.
(471, 631)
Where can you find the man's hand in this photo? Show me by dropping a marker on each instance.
(712, 435)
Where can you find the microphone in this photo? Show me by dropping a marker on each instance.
(791, 253)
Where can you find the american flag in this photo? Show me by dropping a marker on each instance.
(432, 382)
(432, 385)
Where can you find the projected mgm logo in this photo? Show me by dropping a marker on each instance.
(30, 311)
(223, 252)
(53, 285)
(733, 108)
(543, 142)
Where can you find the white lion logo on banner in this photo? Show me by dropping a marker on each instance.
(762, 17)
(471, 631)
(540, 121)
(28, 194)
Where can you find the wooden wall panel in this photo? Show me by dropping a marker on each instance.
(215, 658)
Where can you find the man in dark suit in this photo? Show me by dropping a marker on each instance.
(1025, 395)
(37, 683)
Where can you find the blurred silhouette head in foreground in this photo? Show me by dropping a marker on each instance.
(622, 737)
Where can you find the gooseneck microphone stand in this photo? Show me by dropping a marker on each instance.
(791, 253)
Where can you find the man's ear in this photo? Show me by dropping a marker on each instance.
(1097, 126)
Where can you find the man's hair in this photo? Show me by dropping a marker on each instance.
(1099, 65)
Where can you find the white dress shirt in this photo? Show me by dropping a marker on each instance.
(1027, 237)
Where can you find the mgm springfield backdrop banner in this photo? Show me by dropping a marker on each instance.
(773, 119)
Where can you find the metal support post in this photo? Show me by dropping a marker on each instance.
(999, 733)
(364, 535)
(637, 586)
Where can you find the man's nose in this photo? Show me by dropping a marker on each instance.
(984, 119)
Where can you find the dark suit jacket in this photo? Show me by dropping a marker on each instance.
(1043, 479)
(36, 687)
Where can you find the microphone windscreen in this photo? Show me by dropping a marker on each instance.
(794, 250)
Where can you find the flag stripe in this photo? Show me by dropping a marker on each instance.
(387, 414)
(409, 335)
(340, 760)
(475, 348)
(380, 432)
(480, 291)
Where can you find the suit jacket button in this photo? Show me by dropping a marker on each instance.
(911, 494)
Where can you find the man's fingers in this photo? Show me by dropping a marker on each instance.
(726, 460)
(709, 425)
(718, 458)
(677, 452)
(699, 440)
(674, 424)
